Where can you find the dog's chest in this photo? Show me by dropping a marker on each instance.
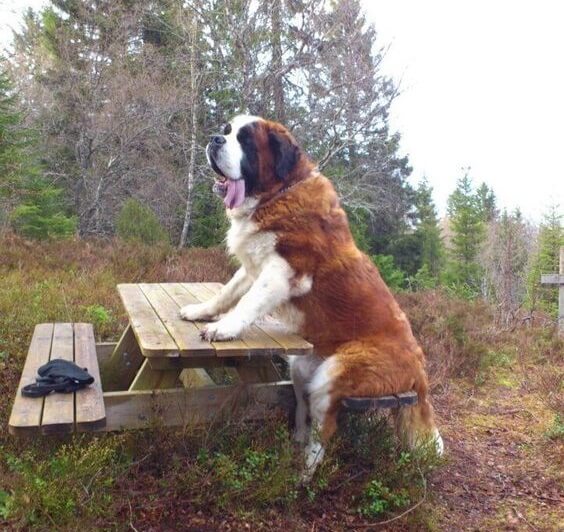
(250, 245)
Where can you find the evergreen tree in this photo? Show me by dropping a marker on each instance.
(486, 200)
(428, 230)
(36, 208)
(546, 260)
(14, 163)
(126, 95)
(468, 228)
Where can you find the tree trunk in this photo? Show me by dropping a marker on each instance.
(193, 136)
(277, 85)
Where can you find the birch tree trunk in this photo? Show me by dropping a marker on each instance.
(193, 135)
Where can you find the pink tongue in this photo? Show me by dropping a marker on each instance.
(235, 193)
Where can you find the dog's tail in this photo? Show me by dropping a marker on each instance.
(415, 424)
(371, 369)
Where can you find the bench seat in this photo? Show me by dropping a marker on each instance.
(79, 411)
(387, 401)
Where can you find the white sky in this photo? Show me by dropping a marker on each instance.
(482, 86)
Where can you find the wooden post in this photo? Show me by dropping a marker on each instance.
(558, 280)
(120, 369)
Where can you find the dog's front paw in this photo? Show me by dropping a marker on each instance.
(199, 311)
(222, 330)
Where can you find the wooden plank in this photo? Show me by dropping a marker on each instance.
(264, 372)
(183, 297)
(195, 378)
(124, 363)
(386, 401)
(90, 410)
(270, 333)
(152, 336)
(185, 333)
(151, 379)
(179, 295)
(104, 351)
(292, 343)
(267, 337)
(187, 362)
(256, 340)
(199, 291)
(25, 417)
(58, 410)
(141, 409)
(552, 278)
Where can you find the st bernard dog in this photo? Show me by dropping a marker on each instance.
(298, 259)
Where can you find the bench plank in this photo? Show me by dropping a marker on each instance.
(26, 412)
(58, 409)
(153, 337)
(386, 401)
(90, 410)
(185, 333)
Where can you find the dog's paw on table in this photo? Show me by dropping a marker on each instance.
(199, 311)
(222, 330)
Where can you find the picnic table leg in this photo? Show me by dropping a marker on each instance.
(120, 369)
(151, 379)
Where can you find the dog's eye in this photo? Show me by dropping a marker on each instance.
(227, 129)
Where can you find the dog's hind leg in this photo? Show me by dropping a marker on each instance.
(323, 411)
(302, 370)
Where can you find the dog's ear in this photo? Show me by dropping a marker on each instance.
(285, 153)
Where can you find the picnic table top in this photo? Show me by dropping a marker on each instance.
(153, 310)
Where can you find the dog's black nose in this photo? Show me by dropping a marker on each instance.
(218, 139)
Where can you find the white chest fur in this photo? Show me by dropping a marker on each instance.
(256, 250)
(250, 245)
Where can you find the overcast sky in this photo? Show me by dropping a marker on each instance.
(482, 86)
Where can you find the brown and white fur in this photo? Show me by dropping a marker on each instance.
(298, 259)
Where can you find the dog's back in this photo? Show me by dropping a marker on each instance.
(349, 315)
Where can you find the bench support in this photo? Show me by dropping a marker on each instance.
(124, 363)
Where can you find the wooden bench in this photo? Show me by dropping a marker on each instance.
(80, 411)
(363, 404)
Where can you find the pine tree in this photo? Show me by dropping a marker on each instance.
(13, 141)
(467, 224)
(36, 207)
(486, 199)
(428, 230)
(546, 260)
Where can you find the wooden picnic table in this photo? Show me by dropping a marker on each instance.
(159, 351)
(162, 372)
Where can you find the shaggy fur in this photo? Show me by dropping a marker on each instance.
(298, 255)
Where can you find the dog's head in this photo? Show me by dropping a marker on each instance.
(253, 157)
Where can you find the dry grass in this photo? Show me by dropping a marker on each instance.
(233, 475)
